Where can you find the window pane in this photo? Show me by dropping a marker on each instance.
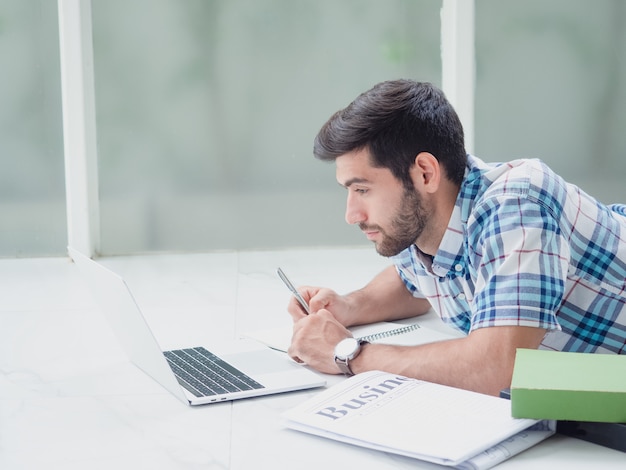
(207, 110)
(32, 186)
(551, 84)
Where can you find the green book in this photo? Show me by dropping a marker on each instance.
(569, 386)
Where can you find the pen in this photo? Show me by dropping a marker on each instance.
(293, 290)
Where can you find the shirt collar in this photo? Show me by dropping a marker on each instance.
(450, 260)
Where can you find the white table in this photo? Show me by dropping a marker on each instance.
(69, 398)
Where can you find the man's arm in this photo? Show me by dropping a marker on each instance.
(384, 298)
(483, 361)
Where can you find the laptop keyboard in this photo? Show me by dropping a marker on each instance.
(204, 374)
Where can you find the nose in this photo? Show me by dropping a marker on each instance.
(354, 210)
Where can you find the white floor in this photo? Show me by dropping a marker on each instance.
(69, 398)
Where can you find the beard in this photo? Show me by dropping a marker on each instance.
(407, 225)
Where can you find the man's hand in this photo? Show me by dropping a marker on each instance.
(319, 298)
(314, 339)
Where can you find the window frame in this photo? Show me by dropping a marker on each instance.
(79, 111)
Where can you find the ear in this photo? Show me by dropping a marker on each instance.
(426, 172)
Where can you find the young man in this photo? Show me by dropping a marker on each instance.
(511, 254)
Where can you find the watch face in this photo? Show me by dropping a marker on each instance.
(346, 347)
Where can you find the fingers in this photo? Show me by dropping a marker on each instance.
(313, 341)
(323, 298)
(299, 340)
(297, 359)
(293, 354)
(295, 309)
(316, 298)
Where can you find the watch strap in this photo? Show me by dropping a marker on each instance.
(344, 365)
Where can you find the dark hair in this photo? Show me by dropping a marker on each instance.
(395, 121)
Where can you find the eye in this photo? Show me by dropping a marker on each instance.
(360, 190)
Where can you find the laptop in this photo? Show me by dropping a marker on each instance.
(195, 375)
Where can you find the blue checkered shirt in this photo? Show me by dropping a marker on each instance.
(524, 247)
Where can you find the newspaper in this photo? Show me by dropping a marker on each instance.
(418, 419)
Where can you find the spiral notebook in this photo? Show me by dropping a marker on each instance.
(381, 332)
(380, 335)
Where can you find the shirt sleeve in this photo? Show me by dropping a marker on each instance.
(520, 259)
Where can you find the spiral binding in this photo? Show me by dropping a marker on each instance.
(386, 334)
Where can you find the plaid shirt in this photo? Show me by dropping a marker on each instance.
(523, 247)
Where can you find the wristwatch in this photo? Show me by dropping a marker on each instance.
(346, 350)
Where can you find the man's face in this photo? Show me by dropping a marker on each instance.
(390, 215)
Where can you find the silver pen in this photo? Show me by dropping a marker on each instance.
(293, 290)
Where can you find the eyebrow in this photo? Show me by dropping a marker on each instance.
(352, 181)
